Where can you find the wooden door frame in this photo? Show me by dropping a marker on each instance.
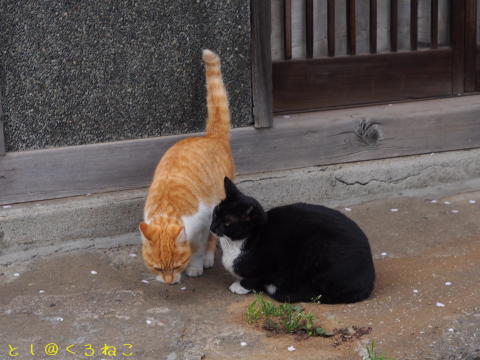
(261, 54)
(2, 133)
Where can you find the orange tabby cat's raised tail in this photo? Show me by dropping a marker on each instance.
(218, 123)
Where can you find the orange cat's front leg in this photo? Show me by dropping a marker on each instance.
(210, 253)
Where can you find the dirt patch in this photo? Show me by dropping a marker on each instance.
(424, 306)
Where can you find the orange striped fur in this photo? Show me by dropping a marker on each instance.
(189, 174)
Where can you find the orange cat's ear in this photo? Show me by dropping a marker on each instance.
(146, 231)
(182, 236)
(177, 232)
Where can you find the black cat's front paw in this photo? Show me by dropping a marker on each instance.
(237, 288)
(253, 284)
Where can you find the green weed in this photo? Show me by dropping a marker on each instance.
(372, 352)
(285, 318)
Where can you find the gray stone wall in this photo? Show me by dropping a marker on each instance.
(87, 71)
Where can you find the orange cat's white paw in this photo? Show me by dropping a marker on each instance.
(236, 288)
(194, 271)
(208, 260)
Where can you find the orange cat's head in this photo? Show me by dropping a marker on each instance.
(166, 251)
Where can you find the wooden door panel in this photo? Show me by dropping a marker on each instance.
(316, 83)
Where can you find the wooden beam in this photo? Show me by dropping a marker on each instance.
(393, 25)
(2, 134)
(331, 27)
(351, 28)
(261, 63)
(301, 140)
(287, 28)
(477, 67)
(457, 9)
(434, 24)
(413, 24)
(470, 45)
(373, 26)
(309, 27)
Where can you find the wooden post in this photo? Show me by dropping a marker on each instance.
(2, 134)
(457, 9)
(261, 63)
(470, 45)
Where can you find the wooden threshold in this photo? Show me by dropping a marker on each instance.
(295, 141)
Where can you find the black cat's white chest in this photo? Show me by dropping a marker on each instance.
(230, 251)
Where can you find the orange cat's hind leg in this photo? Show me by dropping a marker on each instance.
(210, 253)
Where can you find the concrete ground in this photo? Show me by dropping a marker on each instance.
(426, 304)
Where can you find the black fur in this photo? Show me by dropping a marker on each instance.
(304, 250)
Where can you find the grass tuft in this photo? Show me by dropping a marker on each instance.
(286, 318)
(372, 352)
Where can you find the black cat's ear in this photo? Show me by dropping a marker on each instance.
(249, 210)
(230, 188)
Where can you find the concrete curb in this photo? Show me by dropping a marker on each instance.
(111, 219)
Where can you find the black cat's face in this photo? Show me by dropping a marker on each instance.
(237, 215)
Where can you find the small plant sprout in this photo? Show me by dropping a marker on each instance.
(372, 352)
(287, 318)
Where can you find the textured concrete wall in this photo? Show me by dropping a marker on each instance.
(76, 72)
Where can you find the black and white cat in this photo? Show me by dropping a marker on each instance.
(295, 253)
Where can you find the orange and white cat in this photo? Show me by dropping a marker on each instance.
(187, 185)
